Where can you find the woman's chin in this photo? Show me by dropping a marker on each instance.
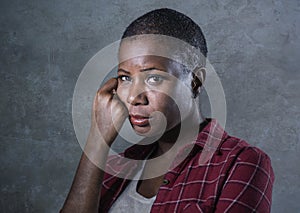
(147, 131)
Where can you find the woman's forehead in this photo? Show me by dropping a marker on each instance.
(150, 62)
(143, 47)
(159, 45)
(146, 61)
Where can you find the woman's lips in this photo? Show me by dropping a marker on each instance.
(139, 120)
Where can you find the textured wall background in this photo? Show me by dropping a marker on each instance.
(253, 45)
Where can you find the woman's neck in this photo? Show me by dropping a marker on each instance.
(188, 130)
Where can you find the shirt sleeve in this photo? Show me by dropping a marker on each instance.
(248, 187)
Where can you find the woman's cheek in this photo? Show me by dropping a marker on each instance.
(122, 93)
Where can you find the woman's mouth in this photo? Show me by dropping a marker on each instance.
(139, 120)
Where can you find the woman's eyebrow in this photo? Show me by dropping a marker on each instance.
(142, 70)
(151, 68)
(121, 70)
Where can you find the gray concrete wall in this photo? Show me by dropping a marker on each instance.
(253, 45)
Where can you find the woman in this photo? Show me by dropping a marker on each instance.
(193, 165)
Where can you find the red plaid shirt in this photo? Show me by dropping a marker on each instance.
(236, 178)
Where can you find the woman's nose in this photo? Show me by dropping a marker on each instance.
(137, 95)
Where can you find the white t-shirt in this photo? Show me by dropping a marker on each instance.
(131, 201)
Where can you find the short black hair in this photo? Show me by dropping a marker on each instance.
(168, 22)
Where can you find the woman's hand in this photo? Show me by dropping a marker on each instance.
(108, 113)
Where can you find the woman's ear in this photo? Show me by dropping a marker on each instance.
(198, 74)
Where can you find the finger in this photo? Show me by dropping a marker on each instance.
(110, 86)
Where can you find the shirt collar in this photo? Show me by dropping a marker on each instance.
(210, 138)
(213, 131)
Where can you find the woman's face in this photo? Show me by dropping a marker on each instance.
(153, 89)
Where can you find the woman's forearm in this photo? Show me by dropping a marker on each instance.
(84, 194)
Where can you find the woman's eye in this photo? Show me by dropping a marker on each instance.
(154, 79)
(124, 78)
